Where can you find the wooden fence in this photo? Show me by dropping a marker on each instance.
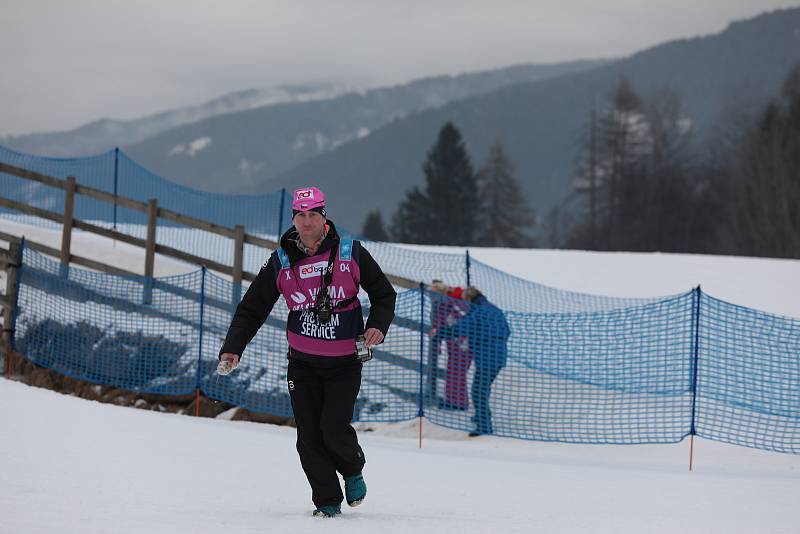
(238, 235)
(10, 258)
(9, 261)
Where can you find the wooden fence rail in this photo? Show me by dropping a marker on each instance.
(238, 234)
(10, 260)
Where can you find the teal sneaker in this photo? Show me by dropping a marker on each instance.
(327, 511)
(355, 489)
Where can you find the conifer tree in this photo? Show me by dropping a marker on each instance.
(505, 217)
(373, 228)
(412, 221)
(445, 213)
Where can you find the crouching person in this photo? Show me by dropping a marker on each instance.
(486, 328)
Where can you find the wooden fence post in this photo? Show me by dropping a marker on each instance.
(66, 232)
(238, 261)
(8, 304)
(150, 249)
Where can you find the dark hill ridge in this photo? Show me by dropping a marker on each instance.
(241, 150)
(540, 122)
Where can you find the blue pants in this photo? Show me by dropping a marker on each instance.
(481, 388)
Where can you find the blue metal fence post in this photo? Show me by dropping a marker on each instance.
(116, 184)
(200, 343)
(696, 294)
(420, 398)
(468, 264)
(280, 213)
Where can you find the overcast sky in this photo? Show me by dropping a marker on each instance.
(65, 63)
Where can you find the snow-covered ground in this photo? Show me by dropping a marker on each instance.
(70, 465)
(73, 466)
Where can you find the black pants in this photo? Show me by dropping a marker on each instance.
(323, 398)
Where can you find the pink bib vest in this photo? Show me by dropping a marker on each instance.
(299, 285)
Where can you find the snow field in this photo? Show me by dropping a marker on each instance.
(73, 466)
(70, 465)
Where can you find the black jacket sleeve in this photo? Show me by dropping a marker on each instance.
(382, 295)
(253, 310)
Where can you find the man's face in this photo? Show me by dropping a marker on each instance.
(309, 225)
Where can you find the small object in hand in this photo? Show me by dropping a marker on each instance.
(363, 353)
(225, 367)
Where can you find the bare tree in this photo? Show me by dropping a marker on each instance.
(765, 179)
(617, 140)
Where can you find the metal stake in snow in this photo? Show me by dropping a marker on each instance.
(695, 360)
(420, 400)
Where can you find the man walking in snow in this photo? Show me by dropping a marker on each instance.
(319, 274)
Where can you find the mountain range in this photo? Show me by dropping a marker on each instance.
(104, 134)
(239, 152)
(541, 123)
(367, 147)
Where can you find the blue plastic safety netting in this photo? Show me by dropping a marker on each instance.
(654, 372)
(114, 172)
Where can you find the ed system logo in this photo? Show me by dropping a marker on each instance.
(314, 269)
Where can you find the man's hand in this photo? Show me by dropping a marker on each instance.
(227, 363)
(372, 336)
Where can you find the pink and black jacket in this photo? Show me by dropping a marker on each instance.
(298, 277)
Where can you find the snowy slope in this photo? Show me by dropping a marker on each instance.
(72, 466)
(69, 465)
